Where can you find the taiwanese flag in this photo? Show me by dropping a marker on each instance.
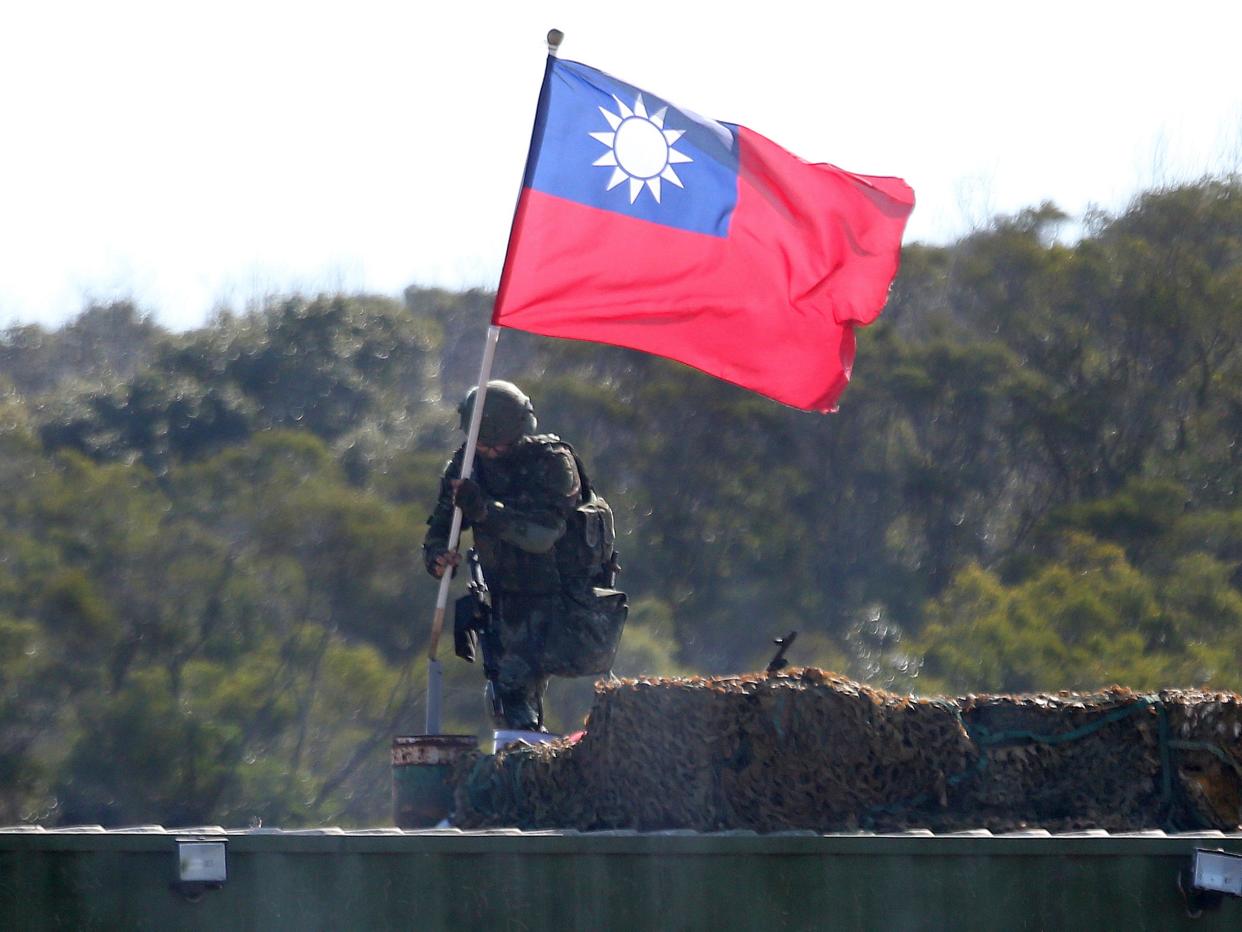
(647, 226)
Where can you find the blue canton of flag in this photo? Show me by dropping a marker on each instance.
(607, 144)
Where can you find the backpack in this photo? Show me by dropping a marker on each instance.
(584, 642)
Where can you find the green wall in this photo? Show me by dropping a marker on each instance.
(566, 881)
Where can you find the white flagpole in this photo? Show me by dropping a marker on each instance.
(434, 673)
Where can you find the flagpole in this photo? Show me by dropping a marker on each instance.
(434, 672)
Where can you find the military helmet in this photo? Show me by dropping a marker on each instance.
(507, 413)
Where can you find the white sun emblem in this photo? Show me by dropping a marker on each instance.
(640, 148)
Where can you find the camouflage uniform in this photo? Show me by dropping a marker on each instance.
(531, 492)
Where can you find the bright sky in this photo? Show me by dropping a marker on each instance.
(192, 156)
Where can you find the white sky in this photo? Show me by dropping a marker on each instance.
(199, 155)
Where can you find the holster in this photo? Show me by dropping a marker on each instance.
(466, 628)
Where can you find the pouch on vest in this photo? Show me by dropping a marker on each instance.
(587, 547)
(597, 532)
(584, 640)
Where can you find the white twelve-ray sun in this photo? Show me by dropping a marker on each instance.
(640, 149)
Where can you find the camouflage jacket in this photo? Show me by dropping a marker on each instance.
(531, 493)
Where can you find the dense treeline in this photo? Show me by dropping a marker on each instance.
(212, 608)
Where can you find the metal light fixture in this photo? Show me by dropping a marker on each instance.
(201, 865)
(1217, 871)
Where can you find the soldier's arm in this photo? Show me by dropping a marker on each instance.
(534, 519)
(435, 541)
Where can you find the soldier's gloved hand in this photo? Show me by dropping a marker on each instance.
(438, 561)
(469, 498)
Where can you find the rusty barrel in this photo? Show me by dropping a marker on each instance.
(422, 777)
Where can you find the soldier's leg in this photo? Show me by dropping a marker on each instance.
(521, 694)
(520, 682)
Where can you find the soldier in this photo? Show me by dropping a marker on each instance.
(524, 494)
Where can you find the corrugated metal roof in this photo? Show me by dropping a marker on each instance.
(333, 831)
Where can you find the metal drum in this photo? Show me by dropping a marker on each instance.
(422, 777)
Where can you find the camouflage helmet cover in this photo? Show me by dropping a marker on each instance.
(507, 413)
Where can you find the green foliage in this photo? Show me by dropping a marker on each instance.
(1084, 620)
(105, 345)
(212, 605)
(355, 372)
(29, 698)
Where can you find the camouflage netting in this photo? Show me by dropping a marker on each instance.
(805, 749)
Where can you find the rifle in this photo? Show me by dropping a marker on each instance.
(475, 633)
(779, 662)
(606, 578)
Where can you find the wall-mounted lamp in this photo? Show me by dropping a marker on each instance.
(1218, 871)
(201, 865)
(1212, 876)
